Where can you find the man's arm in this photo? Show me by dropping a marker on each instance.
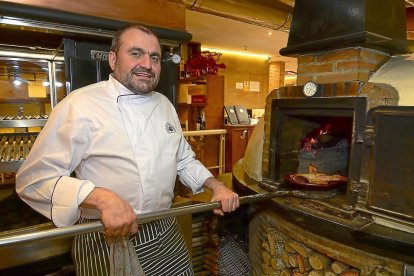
(43, 181)
(228, 199)
(118, 217)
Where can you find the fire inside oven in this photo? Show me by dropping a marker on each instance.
(316, 135)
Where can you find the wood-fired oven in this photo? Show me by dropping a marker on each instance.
(379, 169)
(368, 227)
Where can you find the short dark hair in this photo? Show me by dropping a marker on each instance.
(117, 36)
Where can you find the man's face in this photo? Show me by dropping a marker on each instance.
(137, 64)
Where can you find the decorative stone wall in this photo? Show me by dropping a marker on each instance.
(278, 247)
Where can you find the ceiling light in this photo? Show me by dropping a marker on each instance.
(46, 83)
(266, 57)
(269, 33)
(17, 82)
(290, 75)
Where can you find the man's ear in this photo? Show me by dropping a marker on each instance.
(112, 60)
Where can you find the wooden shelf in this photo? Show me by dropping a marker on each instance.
(187, 104)
(201, 79)
(213, 108)
(22, 123)
(25, 101)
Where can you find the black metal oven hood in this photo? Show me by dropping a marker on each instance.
(320, 25)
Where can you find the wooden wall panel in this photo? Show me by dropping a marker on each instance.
(410, 22)
(240, 69)
(215, 102)
(276, 75)
(152, 13)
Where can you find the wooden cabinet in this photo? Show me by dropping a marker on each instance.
(212, 108)
(215, 102)
(236, 142)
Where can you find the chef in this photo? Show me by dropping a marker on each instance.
(112, 150)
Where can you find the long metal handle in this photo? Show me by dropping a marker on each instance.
(142, 218)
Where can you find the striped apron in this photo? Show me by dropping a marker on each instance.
(159, 245)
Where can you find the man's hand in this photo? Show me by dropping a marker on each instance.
(117, 216)
(228, 199)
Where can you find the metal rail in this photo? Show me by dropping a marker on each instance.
(204, 132)
(143, 218)
(98, 226)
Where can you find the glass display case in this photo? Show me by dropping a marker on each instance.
(29, 89)
(31, 84)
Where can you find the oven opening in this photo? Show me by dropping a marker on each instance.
(316, 136)
(314, 144)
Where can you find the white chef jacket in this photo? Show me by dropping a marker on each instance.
(130, 144)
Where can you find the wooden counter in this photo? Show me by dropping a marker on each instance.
(237, 139)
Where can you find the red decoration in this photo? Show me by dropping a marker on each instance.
(205, 63)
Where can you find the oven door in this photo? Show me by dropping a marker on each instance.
(388, 165)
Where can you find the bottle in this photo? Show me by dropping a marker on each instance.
(203, 121)
(20, 112)
(199, 123)
(183, 73)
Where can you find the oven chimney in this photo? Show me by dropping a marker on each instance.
(342, 41)
(320, 25)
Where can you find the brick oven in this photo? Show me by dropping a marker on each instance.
(368, 227)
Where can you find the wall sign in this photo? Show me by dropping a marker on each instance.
(254, 86)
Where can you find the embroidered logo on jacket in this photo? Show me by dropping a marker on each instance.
(170, 128)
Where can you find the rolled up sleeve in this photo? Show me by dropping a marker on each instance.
(68, 194)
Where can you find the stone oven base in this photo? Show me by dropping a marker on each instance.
(331, 235)
(278, 247)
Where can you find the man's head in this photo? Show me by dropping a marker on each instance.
(135, 59)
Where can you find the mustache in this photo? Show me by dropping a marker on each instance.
(143, 70)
